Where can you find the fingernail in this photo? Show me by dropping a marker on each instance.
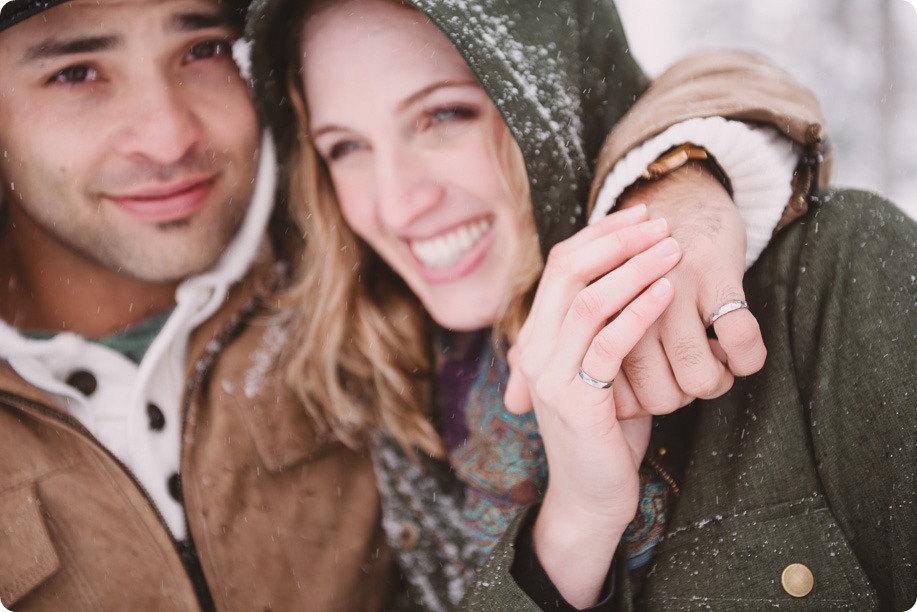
(660, 287)
(654, 227)
(666, 247)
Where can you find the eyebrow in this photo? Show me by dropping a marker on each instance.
(192, 22)
(407, 102)
(429, 89)
(50, 48)
(180, 23)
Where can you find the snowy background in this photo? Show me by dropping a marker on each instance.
(857, 55)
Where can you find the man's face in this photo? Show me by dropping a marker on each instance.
(127, 135)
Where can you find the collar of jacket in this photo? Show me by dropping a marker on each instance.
(283, 432)
(282, 437)
(559, 72)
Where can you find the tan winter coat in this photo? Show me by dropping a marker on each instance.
(282, 519)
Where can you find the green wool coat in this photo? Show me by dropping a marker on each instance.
(810, 461)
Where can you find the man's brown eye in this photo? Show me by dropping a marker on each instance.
(210, 49)
(74, 74)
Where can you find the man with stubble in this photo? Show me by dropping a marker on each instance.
(149, 459)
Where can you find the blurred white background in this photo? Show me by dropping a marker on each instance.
(857, 55)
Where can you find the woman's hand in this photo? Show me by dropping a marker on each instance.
(675, 362)
(600, 291)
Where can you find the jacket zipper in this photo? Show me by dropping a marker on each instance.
(203, 365)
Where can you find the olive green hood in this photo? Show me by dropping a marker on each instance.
(559, 71)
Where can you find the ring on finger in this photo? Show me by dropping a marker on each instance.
(726, 309)
(594, 382)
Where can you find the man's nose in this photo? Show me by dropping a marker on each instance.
(408, 188)
(160, 123)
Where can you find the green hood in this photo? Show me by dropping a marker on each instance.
(559, 71)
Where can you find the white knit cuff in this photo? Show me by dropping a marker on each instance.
(759, 162)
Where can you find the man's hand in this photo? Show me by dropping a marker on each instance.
(675, 362)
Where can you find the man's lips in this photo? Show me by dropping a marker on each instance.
(166, 203)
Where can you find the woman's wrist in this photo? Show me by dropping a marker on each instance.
(576, 546)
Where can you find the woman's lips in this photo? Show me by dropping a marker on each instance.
(454, 253)
(166, 204)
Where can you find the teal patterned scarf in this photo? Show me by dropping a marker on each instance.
(443, 518)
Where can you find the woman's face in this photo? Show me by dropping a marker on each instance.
(411, 141)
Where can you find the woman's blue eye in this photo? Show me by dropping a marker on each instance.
(341, 149)
(460, 113)
(75, 74)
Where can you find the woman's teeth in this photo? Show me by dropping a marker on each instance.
(446, 249)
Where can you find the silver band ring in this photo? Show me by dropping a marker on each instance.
(726, 309)
(593, 382)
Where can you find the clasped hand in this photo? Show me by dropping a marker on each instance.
(627, 303)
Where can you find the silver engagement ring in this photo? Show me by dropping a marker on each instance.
(593, 382)
(726, 309)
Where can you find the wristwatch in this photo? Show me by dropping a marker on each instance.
(675, 158)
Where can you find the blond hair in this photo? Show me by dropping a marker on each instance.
(361, 353)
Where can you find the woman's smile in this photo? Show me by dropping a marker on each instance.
(445, 250)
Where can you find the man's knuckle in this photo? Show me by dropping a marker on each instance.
(750, 362)
(686, 355)
(636, 369)
(664, 402)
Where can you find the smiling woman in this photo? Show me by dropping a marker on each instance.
(416, 165)
(425, 172)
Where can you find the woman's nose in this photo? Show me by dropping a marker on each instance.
(408, 188)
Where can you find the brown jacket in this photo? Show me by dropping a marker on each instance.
(282, 519)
